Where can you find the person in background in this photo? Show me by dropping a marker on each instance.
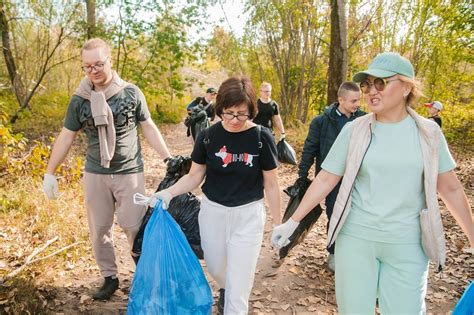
(208, 99)
(109, 111)
(322, 133)
(386, 221)
(433, 111)
(268, 110)
(238, 162)
(200, 112)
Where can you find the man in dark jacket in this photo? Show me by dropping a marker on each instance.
(200, 111)
(204, 101)
(322, 133)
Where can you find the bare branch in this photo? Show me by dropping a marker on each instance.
(30, 261)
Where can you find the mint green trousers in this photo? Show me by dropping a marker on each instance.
(395, 274)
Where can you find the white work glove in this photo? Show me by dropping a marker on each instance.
(282, 136)
(50, 186)
(281, 233)
(163, 195)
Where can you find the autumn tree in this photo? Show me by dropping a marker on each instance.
(293, 33)
(337, 49)
(35, 37)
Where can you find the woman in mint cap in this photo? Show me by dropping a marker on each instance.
(393, 163)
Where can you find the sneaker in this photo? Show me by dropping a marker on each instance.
(331, 261)
(108, 288)
(221, 302)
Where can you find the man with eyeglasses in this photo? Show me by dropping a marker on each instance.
(268, 110)
(322, 133)
(109, 111)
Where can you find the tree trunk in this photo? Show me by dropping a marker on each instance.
(338, 49)
(15, 79)
(91, 26)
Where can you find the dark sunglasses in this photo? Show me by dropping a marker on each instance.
(378, 83)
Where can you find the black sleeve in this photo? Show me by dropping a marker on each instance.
(193, 103)
(199, 152)
(276, 108)
(211, 112)
(310, 149)
(269, 158)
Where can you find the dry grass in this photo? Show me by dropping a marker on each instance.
(28, 221)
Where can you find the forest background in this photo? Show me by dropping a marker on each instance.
(304, 48)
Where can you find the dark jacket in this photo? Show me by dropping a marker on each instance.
(201, 100)
(322, 133)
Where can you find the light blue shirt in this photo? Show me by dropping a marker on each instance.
(388, 191)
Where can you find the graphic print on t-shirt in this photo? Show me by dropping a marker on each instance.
(228, 157)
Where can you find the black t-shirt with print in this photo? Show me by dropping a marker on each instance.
(265, 114)
(234, 164)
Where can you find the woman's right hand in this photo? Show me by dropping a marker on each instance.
(164, 195)
(281, 233)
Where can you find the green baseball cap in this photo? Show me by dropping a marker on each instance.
(385, 65)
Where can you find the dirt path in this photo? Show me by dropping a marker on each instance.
(302, 285)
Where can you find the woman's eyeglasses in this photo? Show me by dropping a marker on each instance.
(97, 67)
(230, 116)
(378, 83)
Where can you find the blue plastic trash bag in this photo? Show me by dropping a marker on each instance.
(169, 278)
(465, 304)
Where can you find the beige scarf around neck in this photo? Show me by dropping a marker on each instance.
(102, 114)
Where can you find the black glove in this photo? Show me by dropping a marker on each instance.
(301, 183)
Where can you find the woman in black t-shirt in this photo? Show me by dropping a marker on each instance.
(238, 163)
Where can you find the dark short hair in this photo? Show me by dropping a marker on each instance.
(347, 86)
(235, 91)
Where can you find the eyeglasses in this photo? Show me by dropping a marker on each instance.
(378, 83)
(97, 67)
(230, 116)
(266, 91)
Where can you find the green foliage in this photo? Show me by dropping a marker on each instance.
(18, 159)
(151, 51)
(149, 40)
(46, 115)
(458, 126)
(164, 110)
(284, 44)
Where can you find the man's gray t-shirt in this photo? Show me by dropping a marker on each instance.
(129, 107)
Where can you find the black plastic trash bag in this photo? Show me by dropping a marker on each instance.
(183, 208)
(196, 121)
(169, 279)
(286, 154)
(296, 193)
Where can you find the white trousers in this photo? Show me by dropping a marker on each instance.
(231, 238)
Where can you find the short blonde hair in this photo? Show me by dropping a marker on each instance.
(416, 90)
(94, 43)
(265, 84)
